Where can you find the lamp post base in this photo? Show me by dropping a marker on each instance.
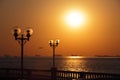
(53, 73)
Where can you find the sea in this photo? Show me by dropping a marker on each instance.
(67, 63)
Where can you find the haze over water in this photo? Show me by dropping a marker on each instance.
(86, 64)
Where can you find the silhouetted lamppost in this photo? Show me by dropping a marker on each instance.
(54, 44)
(22, 38)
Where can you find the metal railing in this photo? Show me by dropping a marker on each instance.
(71, 75)
(54, 74)
(28, 74)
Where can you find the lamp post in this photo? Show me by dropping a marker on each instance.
(22, 38)
(53, 44)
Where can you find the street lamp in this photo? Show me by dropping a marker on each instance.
(53, 44)
(22, 38)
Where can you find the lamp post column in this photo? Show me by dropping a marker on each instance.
(22, 40)
(22, 54)
(53, 56)
(53, 44)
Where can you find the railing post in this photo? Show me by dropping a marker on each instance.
(29, 72)
(7, 72)
(82, 75)
(53, 73)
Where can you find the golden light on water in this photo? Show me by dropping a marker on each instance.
(75, 57)
(75, 63)
(75, 19)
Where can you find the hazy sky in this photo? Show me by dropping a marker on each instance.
(100, 35)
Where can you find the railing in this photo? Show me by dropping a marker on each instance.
(54, 74)
(70, 75)
(28, 74)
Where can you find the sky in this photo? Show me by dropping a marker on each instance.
(100, 34)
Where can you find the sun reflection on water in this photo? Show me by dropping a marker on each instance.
(75, 63)
(75, 57)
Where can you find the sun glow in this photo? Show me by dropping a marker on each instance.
(75, 19)
(75, 57)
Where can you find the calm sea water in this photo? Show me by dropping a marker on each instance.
(87, 64)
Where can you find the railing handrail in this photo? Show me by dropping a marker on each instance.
(39, 70)
(58, 71)
(88, 72)
(62, 75)
(24, 69)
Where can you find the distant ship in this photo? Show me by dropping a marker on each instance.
(7, 56)
(75, 55)
(37, 55)
(107, 56)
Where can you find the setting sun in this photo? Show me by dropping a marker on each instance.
(75, 19)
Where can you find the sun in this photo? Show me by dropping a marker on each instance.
(75, 19)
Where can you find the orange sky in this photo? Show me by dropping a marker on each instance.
(99, 36)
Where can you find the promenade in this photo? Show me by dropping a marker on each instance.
(34, 74)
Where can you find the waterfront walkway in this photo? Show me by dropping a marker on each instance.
(54, 74)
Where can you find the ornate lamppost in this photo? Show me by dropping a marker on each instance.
(53, 44)
(22, 38)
